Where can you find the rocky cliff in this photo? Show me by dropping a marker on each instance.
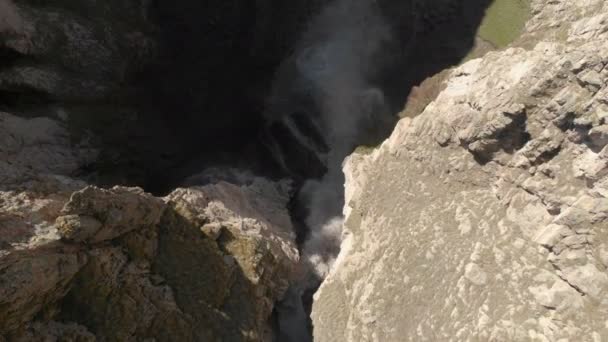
(486, 216)
(125, 215)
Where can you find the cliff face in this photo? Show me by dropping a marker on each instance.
(485, 217)
(482, 218)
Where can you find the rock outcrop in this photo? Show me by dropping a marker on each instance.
(485, 218)
(205, 263)
(79, 262)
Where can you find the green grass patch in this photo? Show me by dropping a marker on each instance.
(504, 21)
(365, 150)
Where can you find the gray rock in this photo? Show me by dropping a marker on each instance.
(95, 215)
(599, 136)
(120, 264)
(498, 231)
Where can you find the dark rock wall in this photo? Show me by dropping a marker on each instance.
(153, 83)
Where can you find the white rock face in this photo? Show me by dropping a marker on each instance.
(486, 217)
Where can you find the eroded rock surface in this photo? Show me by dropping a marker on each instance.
(485, 218)
(205, 263)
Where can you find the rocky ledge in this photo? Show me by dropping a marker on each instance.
(205, 263)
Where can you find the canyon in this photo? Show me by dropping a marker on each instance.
(313, 170)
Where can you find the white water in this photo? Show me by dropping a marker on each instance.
(328, 78)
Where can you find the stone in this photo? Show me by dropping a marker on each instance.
(599, 136)
(94, 214)
(551, 235)
(588, 279)
(77, 228)
(248, 246)
(500, 227)
(124, 263)
(591, 78)
(475, 274)
(32, 282)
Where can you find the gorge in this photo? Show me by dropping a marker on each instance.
(183, 170)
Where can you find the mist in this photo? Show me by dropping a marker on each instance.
(332, 79)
